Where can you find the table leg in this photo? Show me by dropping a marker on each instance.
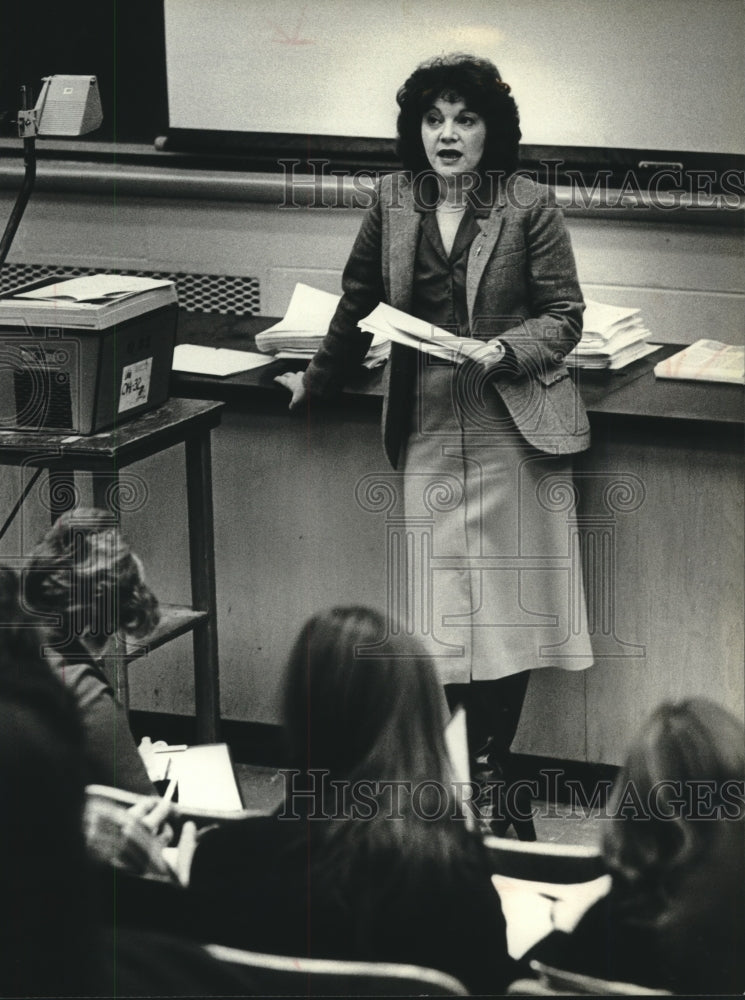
(62, 492)
(204, 598)
(104, 485)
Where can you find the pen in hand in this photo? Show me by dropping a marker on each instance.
(171, 789)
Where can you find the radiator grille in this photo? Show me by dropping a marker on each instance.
(228, 295)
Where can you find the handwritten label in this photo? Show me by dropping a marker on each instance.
(135, 384)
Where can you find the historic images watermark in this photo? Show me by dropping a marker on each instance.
(584, 552)
(314, 184)
(314, 795)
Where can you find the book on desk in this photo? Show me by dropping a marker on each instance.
(705, 361)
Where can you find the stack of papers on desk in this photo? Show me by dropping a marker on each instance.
(612, 337)
(300, 333)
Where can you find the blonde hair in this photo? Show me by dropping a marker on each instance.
(86, 575)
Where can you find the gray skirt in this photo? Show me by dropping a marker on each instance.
(494, 571)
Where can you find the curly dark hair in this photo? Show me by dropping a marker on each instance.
(86, 574)
(478, 83)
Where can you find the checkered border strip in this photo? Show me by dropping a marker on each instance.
(228, 295)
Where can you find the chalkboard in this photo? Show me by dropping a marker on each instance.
(645, 74)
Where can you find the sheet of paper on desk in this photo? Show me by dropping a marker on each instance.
(206, 779)
(195, 359)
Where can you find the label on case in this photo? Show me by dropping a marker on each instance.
(135, 388)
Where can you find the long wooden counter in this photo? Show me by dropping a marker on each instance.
(660, 517)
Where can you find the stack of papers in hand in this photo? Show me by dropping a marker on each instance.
(705, 361)
(393, 324)
(612, 337)
(306, 323)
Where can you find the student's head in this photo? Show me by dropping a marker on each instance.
(679, 800)
(42, 853)
(364, 707)
(362, 703)
(459, 78)
(87, 579)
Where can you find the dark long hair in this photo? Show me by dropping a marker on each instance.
(85, 575)
(365, 706)
(683, 747)
(478, 83)
(45, 940)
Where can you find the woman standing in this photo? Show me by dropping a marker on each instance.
(462, 241)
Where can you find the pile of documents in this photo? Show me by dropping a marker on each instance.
(305, 324)
(612, 337)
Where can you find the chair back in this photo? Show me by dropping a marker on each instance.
(282, 975)
(562, 864)
(559, 983)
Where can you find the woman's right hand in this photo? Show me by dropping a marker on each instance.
(294, 382)
(153, 812)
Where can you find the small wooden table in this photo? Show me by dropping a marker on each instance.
(102, 455)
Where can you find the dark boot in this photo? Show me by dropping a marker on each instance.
(492, 715)
(501, 802)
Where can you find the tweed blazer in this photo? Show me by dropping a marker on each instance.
(521, 286)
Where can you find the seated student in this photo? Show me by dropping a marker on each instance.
(52, 943)
(675, 916)
(368, 858)
(87, 581)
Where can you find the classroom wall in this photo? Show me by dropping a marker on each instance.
(686, 278)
